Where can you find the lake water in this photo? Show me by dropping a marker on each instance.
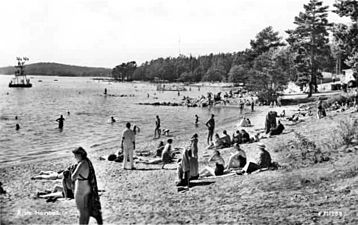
(37, 109)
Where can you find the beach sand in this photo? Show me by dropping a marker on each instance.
(318, 193)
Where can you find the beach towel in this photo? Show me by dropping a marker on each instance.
(94, 203)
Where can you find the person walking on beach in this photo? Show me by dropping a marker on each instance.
(105, 91)
(252, 104)
(128, 146)
(211, 126)
(60, 122)
(157, 127)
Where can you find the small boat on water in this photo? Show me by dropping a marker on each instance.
(20, 80)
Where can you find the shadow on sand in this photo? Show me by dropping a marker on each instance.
(200, 183)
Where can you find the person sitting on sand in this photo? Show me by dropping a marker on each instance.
(218, 142)
(160, 149)
(236, 137)
(263, 161)
(245, 122)
(226, 140)
(167, 156)
(238, 159)
(219, 166)
(166, 132)
(86, 190)
(277, 130)
(282, 114)
(245, 137)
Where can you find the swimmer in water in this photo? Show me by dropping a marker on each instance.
(60, 122)
(112, 119)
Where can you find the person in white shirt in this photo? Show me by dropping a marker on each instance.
(128, 146)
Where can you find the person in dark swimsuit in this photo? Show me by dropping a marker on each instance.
(157, 127)
(60, 122)
(211, 127)
(219, 166)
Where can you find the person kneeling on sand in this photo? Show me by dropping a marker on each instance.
(277, 130)
(237, 160)
(263, 161)
(219, 166)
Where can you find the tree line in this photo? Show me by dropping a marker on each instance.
(270, 62)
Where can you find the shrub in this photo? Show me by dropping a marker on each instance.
(346, 132)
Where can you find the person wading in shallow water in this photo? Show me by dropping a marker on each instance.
(60, 122)
(157, 127)
(211, 126)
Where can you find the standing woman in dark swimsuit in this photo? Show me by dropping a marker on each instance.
(86, 190)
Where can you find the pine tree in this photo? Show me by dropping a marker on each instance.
(347, 35)
(310, 42)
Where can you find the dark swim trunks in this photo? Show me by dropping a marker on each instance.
(219, 169)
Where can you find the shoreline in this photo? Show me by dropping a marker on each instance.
(149, 194)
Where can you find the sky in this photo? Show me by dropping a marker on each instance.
(105, 33)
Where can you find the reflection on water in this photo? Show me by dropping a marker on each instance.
(88, 124)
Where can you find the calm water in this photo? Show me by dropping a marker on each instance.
(88, 124)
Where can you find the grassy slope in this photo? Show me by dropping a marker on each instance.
(294, 194)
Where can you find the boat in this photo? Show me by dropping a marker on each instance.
(20, 80)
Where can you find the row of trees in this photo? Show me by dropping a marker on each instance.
(270, 62)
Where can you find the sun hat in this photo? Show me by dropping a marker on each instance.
(261, 145)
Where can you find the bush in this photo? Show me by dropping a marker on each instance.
(267, 96)
(346, 133)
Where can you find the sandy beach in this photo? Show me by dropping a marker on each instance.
(297, 192)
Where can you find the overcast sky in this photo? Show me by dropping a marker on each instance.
(106, 33)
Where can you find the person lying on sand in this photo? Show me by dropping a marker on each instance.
(48, 175)
(219, 166)
(237, 160)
